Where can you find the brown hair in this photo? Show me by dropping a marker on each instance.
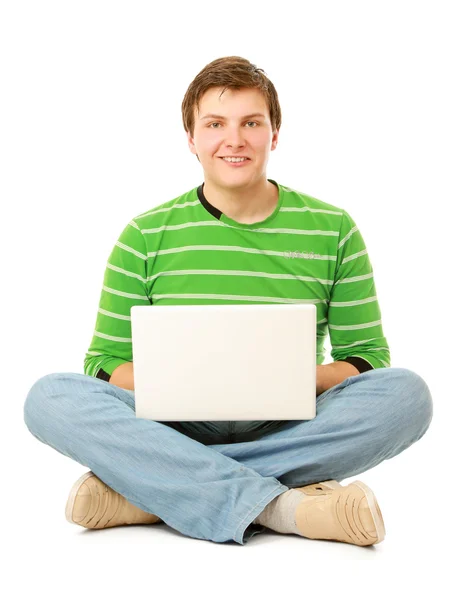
(232, 72)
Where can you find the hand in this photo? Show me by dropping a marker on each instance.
(320, 384)
(333, 373)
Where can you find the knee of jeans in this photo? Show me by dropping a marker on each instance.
(40, 401)
(414, 397)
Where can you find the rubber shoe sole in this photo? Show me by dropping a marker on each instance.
(349, 514)
(94, 505)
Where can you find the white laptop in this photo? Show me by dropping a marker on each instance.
(224, 362)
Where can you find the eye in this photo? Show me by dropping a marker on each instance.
(215, 123)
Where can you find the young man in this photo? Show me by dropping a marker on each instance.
(239, 237)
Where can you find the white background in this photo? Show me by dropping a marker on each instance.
(91, 136)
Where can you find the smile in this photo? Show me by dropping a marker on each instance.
(236, 163)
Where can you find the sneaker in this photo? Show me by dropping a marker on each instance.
(94, 505)
(349, 514)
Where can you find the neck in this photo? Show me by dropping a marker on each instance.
(249, 204)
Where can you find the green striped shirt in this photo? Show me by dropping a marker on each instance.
(186, 251)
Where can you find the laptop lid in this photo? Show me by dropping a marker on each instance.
(224, 362)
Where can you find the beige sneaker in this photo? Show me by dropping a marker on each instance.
(94, 505)
(348, 514)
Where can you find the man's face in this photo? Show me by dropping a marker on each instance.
(233, 133)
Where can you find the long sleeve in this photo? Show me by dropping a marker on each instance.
(124, 286)
(354, 315)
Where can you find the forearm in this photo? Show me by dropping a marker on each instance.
(123, 376)
(327, 375)
(330, 375)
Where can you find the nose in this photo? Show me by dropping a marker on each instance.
(234, 138)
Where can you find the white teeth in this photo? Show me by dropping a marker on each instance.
(234, 159)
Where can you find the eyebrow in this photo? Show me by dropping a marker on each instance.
(212, 116)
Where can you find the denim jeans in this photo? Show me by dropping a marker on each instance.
(213, 489)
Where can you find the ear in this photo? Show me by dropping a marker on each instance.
(275, 139)
(191, 144)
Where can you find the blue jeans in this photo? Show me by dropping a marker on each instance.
(210, 489)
